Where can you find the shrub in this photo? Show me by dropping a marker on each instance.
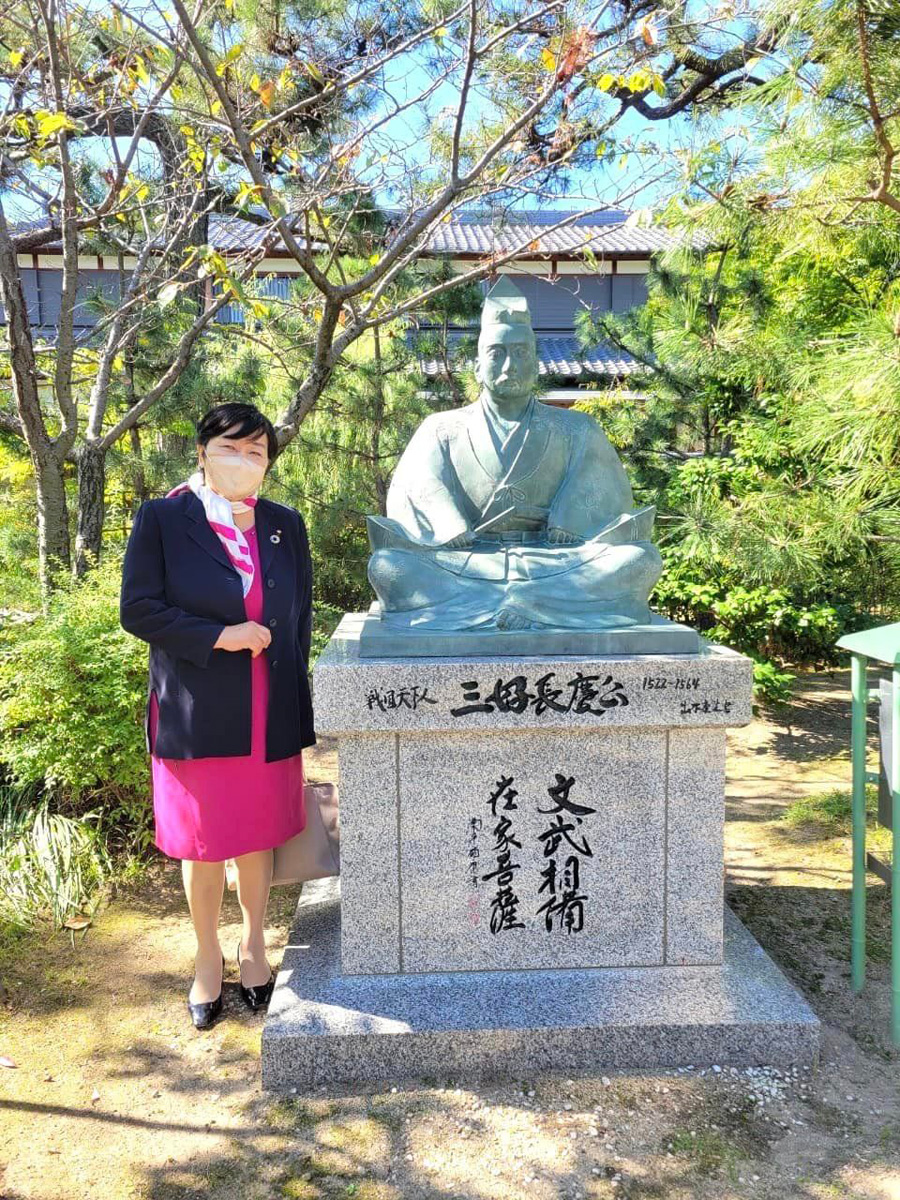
(72, 691)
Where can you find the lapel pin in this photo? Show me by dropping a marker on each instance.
(274, 537)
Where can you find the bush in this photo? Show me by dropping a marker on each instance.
(770, 625)
(72, 691)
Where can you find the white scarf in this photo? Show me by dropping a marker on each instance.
(220, 514)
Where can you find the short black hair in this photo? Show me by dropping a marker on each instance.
(246, 417)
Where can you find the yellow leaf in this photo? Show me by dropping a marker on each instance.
(374, 258)
(52, 122)
(548, 58)
(254, 82)
(143, 192)
(16, 57)
(216, 107)
(318, 314)
(267, 93)
(606, 81)
(441, 32)
(315, 72)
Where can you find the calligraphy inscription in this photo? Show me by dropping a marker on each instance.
(582, 694)
(559, 884)
(593, 694)
(392, 698)
(505, 901)
(689, 707)
(678, 683)
(473, 854)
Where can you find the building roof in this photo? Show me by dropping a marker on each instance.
(613, 232)
(556, 356)
(234, 234)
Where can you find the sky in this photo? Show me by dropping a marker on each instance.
(631, 181)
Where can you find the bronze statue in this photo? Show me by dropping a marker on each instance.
(509, 514)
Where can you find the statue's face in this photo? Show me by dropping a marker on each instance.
(507, 362)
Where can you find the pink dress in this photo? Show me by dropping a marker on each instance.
(210, 809)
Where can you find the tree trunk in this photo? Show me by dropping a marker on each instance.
(378, 409)
(53, 521)
(91, 507)
(47, 455)
(139, 479)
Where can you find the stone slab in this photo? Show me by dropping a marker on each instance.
(658, 636)
(367, 767)
(395, 695)
(695, 837)
(452, 857)
(323, 1027)
(532, 850)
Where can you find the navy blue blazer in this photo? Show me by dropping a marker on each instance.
(179, 590)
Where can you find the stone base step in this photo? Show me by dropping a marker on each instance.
(323, 1027)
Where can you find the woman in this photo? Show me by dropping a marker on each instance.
(219, 582)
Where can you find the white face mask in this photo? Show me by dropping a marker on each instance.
(232, 475)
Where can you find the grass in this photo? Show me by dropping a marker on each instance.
(708, 1150)
(829, 814)
(51, 865)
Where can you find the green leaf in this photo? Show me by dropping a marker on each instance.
(167, 294)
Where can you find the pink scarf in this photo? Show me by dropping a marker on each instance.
(220, 515)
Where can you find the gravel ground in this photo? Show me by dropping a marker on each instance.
(112, 1093)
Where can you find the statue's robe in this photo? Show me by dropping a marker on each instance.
(554, 470)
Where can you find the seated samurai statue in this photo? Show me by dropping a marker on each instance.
(510, 514)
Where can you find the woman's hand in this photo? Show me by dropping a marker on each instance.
(246, 636)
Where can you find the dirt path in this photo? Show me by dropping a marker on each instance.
(115, 1096)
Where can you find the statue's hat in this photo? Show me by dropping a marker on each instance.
(505, 305)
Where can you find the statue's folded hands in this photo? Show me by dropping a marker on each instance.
(562, 537)
(467, 538)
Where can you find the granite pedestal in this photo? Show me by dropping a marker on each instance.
(531, 874)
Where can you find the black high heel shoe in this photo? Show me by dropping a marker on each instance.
(204, 1013)
(259, 995)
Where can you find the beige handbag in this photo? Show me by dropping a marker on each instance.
(315, 852)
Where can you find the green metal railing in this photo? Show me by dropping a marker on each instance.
(882, 645)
